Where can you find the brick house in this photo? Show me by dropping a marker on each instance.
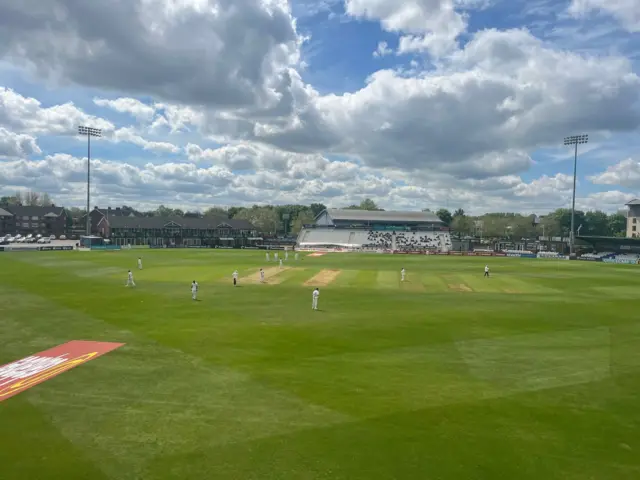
(45, 221)
(7, 223)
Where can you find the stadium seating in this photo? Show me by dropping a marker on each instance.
(420, 241)
(319, 236)
(375, 240)
(549, 255)
(627, 258)
(596, 256)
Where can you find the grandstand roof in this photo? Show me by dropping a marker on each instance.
(381, 216)
(184, 222)
(635, 201)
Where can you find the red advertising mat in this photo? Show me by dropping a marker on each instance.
(23, 374)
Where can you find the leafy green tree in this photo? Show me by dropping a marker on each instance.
(317, 208)
(462, 225)
(596, 223)
(445, 216)
(366, 204)
(234, 211)
(305, 217)
(617, 225)
(264, 219)
(216, 212)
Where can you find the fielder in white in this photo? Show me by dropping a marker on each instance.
(267, 255)
(280, 263)
(139, 263)
(235, 277)
(275, 256)
(286, 255)
(314, 297)
(486, 270)
(261, 276)
(296, 257)
(130, 282)
(194, 290)
(402, 274)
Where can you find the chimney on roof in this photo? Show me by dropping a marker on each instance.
(95, 208)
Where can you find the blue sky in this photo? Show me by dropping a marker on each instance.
(275, 102)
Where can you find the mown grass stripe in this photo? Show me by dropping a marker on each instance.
(388, 280)
(348, 278)
(434, 283)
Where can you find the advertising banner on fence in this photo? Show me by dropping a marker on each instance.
(23, 374)
(36, 249)
(620, 261)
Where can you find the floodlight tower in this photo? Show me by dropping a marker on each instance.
(574, 140)
(89, 132)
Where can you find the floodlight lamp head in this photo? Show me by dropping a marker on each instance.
(90, 131)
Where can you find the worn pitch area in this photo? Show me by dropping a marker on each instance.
(323, 278)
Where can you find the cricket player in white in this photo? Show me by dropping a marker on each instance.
(486, 270)
(194, 290)
(280, 263)
(267, 255)
(139, 263)
(261, 276)
(130, 282)
(275, 256)
(235, 278)
(296, 257)
(402, 274)
(314, 301)
(286, 255)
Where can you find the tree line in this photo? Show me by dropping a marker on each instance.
(289, 219)
(516, 226)
(28, 198)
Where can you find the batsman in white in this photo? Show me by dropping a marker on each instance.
(194, 290)
(235, 277)
(130, 282)
(139, 263)
(314, 301)
(402, 274)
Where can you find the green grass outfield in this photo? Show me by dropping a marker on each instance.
(533, 373)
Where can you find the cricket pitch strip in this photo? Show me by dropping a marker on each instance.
(323, 278)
